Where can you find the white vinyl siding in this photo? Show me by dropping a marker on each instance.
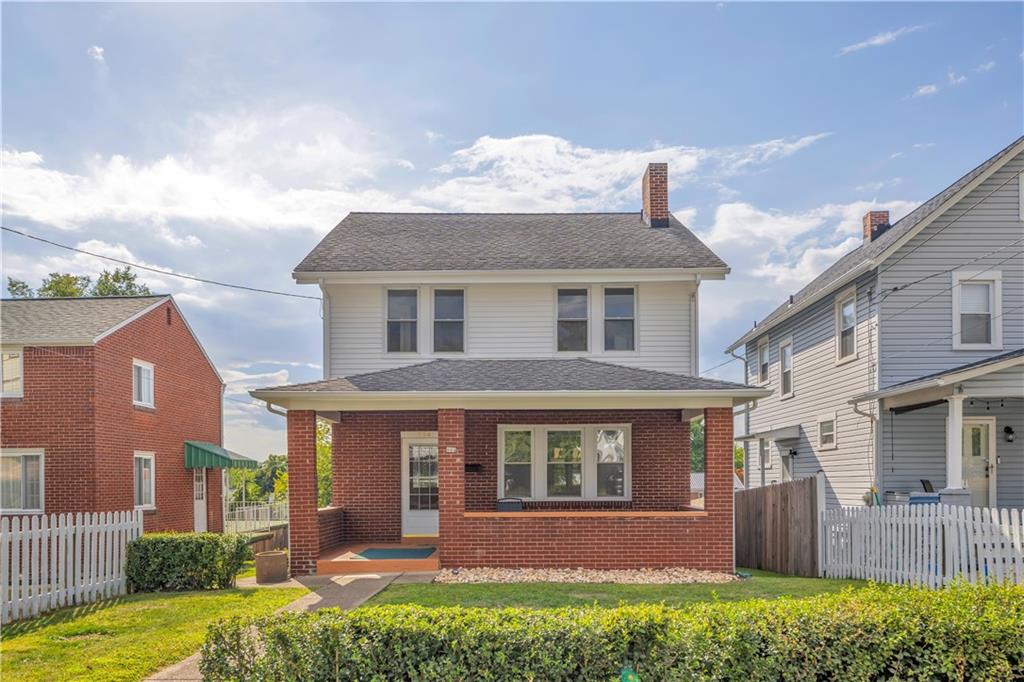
(21, 480)
(143, 384)
(510, 321)
(12, 373)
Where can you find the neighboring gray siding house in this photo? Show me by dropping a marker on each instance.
(915, 334)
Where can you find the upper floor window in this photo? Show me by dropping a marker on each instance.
(786, 367)
(762, 361)
(402, 316)
(977, 304)
(145, 480)
(827, 432)
(12, 372)
(21, 480)
(620, 318)
(449, 321)
(572, 319)
(142, 383)
(846, 325)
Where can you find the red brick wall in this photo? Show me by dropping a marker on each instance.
(188, 407)
(330, 521)
(303, 522)
(366, 471)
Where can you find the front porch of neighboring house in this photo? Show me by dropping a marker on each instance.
(957, 432)
(584, 479)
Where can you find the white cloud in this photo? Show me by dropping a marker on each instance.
(406, 164)
(686, 215)
(248, 437)
(96, 52)
(432, 136)
(923, 145)
(878, 185)
(240, 383)
(925, 90)
(897, 155)
(987, 66)
(955, 78)
(879, 39)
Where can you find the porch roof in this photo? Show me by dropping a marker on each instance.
(203, 455)
(474, 382)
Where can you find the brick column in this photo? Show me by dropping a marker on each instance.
(451, 473)
(718, 492)
(303, 524)
(215, 500)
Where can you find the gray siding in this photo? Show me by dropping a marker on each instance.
(914, 447)
(820, 386)
(917, 323)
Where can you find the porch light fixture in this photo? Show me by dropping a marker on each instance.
(792, 452)
(1008, 433)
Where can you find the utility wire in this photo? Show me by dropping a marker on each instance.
(901, 287)
(158, 270)
(721, 364)
(917, 348)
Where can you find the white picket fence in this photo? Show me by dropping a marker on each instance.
(55, 560)
(928, 545)
(244, 517)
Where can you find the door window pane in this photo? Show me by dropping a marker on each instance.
(517, 458)
(619, 319)
(565, 463)
(611, 463)
(422, 477)
(572, 319)
(402, 321)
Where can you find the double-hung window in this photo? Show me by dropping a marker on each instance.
(762, 361)
(827, 432)
(449, 321)
(786, 367)
(21, 480)
(846, 325)
(12, 372)
(564, 462)
(764, 450)
(145, 480)
(977, 314)
(572, 325)
(619, 318)
(143, 384)
(402, 315)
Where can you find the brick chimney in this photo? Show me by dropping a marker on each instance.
(875, 224)
(656, 195)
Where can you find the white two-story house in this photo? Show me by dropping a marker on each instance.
(900, 369)
(512, 390)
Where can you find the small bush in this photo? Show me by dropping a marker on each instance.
(878, 632)
(160, 562)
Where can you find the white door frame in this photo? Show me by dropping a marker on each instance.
(199, 499)
(993, 459)
(414, 438)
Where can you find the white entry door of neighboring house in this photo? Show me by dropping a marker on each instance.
(419, 484)
(199, 498)
(979, 453)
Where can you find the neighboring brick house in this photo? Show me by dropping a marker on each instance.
(549, 358)
(100, 396)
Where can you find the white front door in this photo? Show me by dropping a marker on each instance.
(419, 484)
(979, 455)
(199, 498)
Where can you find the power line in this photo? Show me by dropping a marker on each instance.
(158, 270)
(917, 348)
(901, 287)
(721, 364)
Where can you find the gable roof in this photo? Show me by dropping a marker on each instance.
(390, 242)
(869, 255)
(68, 321)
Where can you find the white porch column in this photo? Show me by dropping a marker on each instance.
(955, 442)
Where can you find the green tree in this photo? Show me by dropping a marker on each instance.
(738, 456)
(697, 445)
(64, 285)
(323, 463)
(120, 282)
(18, 288)
(271, 477)
(266, 474)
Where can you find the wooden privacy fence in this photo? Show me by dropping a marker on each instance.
(929, 545)
(776, 527)
(50, 561)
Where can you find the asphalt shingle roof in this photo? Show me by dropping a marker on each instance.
(504, 241)
(66, 320)
(867, 252)
(570, 374)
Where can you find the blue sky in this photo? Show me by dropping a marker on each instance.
(224, 140)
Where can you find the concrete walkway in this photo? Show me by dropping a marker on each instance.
(325, 591)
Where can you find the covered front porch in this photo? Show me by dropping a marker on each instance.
(588, 478)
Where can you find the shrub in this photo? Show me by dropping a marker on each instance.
(159, 562)
(878, 632)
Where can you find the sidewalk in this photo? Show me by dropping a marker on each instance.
(325, 591)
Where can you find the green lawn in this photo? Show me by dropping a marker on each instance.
(762, 585)
(127, 638)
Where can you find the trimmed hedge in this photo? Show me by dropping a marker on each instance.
(158, 562)
(877, 632)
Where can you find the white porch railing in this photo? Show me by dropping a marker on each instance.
(55, 560)
(244, 517)
(930, 545)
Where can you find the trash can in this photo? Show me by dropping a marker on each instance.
(271, 567)
(896, 499)
(509, 504)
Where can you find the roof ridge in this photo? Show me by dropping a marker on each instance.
(84, 298)
(474, 213)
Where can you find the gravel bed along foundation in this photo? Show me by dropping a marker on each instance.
(642, 576)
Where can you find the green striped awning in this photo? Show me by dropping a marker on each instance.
(202, 455)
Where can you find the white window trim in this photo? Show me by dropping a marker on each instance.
(21, 365)
(22, 452)
(787, 342)
(433, 319)
(762, 380)
(764, 453)
(538, 461)
(151, 456)
(590, 317)
(636, 319)
(1020, 195)
(152, 382)
(834, 418)
(419, 327)
(841, 298)
(993, 278)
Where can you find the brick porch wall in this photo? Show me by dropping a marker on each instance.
(303, 522)
(330, 521)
